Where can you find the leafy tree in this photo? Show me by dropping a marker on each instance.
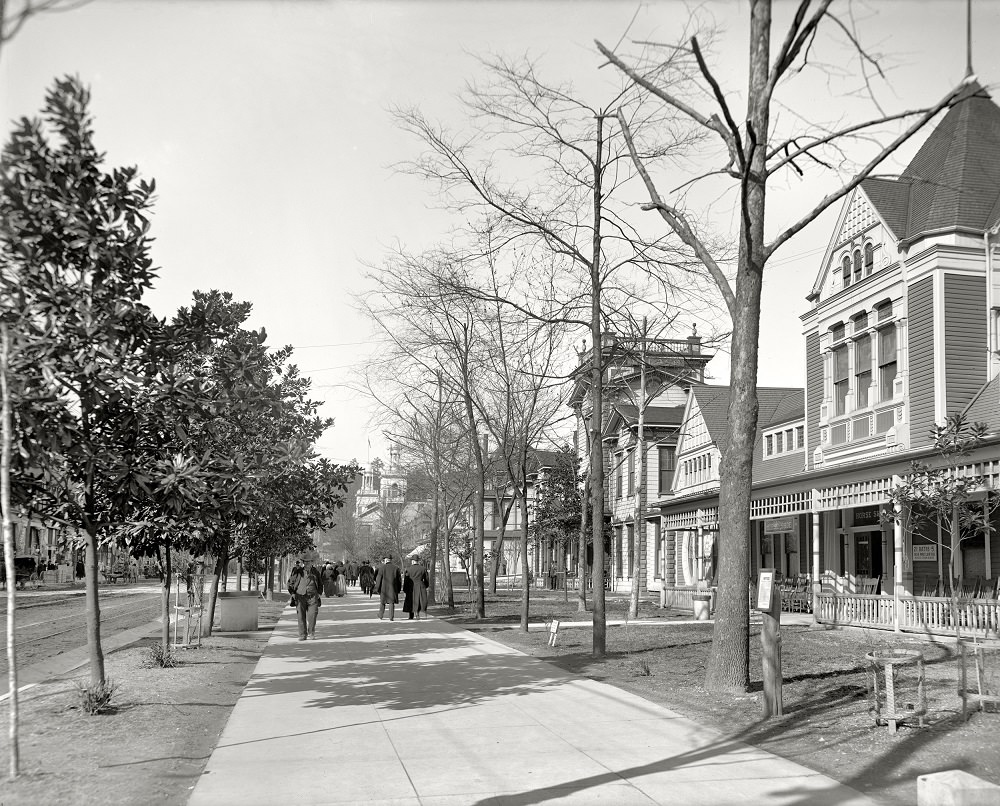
(73, 267)
(937, 494)
(557, 504)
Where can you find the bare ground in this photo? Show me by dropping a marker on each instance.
(153, 745)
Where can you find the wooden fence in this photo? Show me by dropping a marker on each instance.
(924, 614)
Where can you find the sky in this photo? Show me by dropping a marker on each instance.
(265, 124)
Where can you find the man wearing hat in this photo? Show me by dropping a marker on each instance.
(306, 584)
(388, 582)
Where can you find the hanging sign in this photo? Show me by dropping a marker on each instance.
(777, 526)
(867, 516)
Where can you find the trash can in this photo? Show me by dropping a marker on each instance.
(701, 603)
(237, 611)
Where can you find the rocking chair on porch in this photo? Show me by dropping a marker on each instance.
(869, 585)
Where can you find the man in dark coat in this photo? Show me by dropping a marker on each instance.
(388, 582)
(306, 584)
(367, 576)
(419, 582)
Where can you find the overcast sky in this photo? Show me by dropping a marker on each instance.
(264, 124)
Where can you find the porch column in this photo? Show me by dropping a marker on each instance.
(898, 588)
(815, 556)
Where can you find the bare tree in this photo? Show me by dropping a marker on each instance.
(755, 154)
(543, 173)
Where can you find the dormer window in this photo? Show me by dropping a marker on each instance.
(857, 265)
(846, 269)
(784, 440)
(869, 258)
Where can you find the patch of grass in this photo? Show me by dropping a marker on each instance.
(96, 699)
(159, 656)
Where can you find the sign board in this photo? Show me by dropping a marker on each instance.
(553, 632)
(924, 553)
(765, 588)
(777, 526)
(867, 516)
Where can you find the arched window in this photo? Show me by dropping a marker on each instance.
(857, 265)
(846, 267)
(869, 258)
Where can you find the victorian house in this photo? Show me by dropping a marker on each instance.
(633, 422)
(900, 333)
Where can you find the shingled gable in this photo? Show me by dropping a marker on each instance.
(953, 182)
(776, 405)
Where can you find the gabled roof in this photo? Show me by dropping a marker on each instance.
(775, 405)
(953, 182)
(654, 416)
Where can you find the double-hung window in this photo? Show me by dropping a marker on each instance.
(862, 370)
(841, 379)
(886, 361)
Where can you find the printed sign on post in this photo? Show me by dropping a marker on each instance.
(925, 553)
(765, 587)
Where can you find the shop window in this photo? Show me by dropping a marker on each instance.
(862, 370)
(886, 361)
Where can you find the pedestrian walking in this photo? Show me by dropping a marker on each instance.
(352, 573)
(366, 576)
(329, 577)
(419, 583)
(388, 582)
(306, 584)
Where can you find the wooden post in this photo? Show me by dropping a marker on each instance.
(769, 605)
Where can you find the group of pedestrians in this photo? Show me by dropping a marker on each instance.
(389, 581)
(307, 584)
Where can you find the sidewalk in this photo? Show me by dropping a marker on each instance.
(423, 712)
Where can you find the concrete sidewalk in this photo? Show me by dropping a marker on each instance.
(423, 712)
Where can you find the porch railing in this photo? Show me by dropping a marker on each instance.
(855, 609)
(925, 614)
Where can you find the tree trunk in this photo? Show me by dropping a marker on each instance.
(449, 590)
(729, 662)
(581, 575)
(93, 608)
(435, 527)
(639, 525)
(165, 602)
(525, 587)
(269, 578)
(597, 410)
(220, 564)
(6, 438)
